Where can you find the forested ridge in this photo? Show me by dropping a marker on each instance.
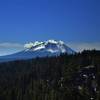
(64, 77)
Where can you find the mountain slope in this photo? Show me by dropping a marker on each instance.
(40, 49)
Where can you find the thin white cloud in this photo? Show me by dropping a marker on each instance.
(10, 48)
(11, 45)
(79, 46)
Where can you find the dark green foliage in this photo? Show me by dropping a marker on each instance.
(51, 78)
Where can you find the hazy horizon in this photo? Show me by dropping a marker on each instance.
(7, 48)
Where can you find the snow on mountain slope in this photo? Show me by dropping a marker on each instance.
(39, 49)
(51, 46)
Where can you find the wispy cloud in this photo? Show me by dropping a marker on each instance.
(9, 48)
(11, 45)
(79, 46)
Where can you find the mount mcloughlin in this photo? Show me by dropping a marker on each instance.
(39, 49)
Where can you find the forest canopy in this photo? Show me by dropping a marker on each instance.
(64, 77)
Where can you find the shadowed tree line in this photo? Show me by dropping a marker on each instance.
(52, 78)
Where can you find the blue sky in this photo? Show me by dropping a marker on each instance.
(75, 21)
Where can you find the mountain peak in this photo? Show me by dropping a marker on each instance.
(52, 41)
(36, 43)
(40, 49)
(52, 46)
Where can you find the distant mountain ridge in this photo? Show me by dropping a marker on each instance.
(40, 49)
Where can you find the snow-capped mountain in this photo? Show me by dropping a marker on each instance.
(50, 46)
(39, 49)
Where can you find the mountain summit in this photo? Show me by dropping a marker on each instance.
(39, 49)
(51, 46)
